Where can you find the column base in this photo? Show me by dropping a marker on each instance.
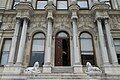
(12, 70)
(78, 69)
(112, 69)
(47, 69)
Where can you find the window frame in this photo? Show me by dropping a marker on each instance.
(13, 5)
(83, 8)
(37, 4)
(38, 52)
(57, 4)
(118, 58)
(111, 7)
(2, 52)
(85, 55)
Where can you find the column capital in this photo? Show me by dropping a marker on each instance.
(24, 10)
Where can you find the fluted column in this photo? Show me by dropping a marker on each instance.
(110, 43)
(14, 43)
(22, 43)
(102, 44)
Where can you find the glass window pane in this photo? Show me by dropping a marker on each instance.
(39, 35)
(41, 4)
(62, 34)
(61, 4)
(38, 45)
(85, 35)
(83, 4)
(4, 59)
(7, 45)
(116, 42)
(15, 2)
(86, 45)
(37, 56)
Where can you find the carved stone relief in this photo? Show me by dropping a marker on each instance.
(115, 21)
(8, 22)
(62, 22)
(85, 20)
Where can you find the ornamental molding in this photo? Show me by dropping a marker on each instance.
(41, 27)
(114, 21)
(89, 29)
(86, 20)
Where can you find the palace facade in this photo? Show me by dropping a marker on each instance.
(62, 35)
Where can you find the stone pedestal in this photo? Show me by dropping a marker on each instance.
(47, 69)
(78, 69)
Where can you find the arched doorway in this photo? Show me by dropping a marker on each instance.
(62, 49)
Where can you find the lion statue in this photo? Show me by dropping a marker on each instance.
(32, 70)
(90, 68)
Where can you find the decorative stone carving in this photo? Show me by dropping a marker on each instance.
(85, 20)
(92, 70)
(114, 21)
(33, 70)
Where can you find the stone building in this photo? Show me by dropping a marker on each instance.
(62, 35)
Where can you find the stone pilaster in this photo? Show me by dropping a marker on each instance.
(47, 63)
(102, 44)
(110, 43)
(22, 43)
(14, 43)
(77, 62)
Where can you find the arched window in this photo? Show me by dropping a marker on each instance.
(40, 4)
(62, 4)
(87, 52)
(38, 45)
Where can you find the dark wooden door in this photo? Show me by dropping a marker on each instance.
(58, 52)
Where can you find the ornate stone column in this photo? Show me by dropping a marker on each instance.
(110, 43)
(77, 63)
(102, 44)
(22, 43)
(47, 61)
(14, 43)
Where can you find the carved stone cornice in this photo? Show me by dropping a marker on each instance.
(100, 11)
(24, 10)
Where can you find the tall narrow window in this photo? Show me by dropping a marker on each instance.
(41, 4)
(38, 49)
(117, 48)
(62, 4)
(87, 52)
(83, 4)
(15, 2)
(5, 51)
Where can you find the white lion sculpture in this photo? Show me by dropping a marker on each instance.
(32, 70)
(90, 68)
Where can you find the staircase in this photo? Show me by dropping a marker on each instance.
(61, 69)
